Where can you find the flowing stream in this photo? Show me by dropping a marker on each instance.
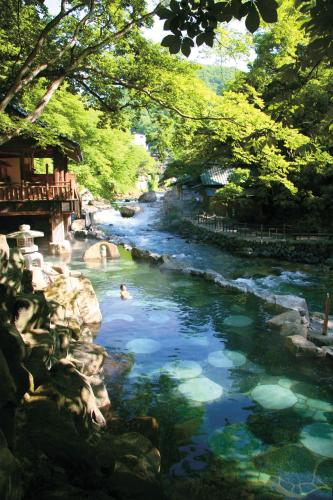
(232, 403)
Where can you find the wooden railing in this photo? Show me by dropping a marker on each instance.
(38, 192)
(261, 231)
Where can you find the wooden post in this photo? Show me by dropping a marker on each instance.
(326, 313)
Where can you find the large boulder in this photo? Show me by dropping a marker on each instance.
(293, 302)
(60, 248)
(88, 358)
(78, 225)
(117, 364)
(4, 252)
(147, 256)
(294, 329)
(43, 344)
(12, 273)
(148, 197)
(129, 210)
(73, 392)
(40, 279)
(77, 296)
(291, 317)
(10, 477)
(290, 323)
(7, 384)
(100, 250)
(100, 391)
(300, 346)
(15, 380)
(136, 465)
(31, 312)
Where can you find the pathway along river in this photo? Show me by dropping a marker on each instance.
(235, 409)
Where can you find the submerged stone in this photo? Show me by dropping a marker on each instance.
(238, 320)
(183, 369)
(143, 345)
(226, 359)
(159, 317)
(286, 382)
(199, 340)
(292, 467)
(325, 472)
(121, 317)
(235, 442)
(237, 358)
(318, 438)
(319, 405)
(273, 397)
(201, 389)
(219, 359)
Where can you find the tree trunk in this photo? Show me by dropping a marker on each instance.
(53, 87)
(32, 117)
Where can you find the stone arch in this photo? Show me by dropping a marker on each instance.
(95, 252)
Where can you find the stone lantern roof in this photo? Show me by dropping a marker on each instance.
(25, 238)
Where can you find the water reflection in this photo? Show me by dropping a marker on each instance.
(233, 406)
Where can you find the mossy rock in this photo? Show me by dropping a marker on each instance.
(293, 469)
(273, 396)
(235, 442)
(276, 427)
(318, 438)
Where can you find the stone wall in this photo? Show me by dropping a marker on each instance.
(307, 251)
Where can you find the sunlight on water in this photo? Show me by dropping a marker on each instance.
(226, 393)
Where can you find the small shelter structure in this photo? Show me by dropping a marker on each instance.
(44, 200)
(214, 178)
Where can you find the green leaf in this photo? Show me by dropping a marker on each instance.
(200, 39)
(192, 30)
(172, 42)
(174, 24)
(235, 6)
(174, 6)
(244, 10)
(186, 49)
(166, 25)
(164, 13)
(252, 20)
(210, 39)
(268, 10)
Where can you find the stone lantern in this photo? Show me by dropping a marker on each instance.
(25, 243)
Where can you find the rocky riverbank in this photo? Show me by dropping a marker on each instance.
(59, 437)
(300, 329)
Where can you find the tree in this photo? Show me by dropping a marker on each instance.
(111, 162)
(64, 47)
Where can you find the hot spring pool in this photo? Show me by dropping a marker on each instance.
(229, 399)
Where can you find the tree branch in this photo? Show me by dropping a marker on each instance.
(176, 110)
(100, 99)
(112, 37)
(17, 84)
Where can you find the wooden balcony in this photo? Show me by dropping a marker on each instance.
(38, 191)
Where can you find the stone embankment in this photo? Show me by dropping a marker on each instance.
(58, 434)
(301, 330)
(309, 251)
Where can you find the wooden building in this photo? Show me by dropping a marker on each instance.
(43, 200)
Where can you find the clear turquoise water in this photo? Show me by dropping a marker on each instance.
(226, 393)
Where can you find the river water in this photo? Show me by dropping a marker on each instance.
(233, 406)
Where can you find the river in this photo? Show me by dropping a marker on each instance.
(234, 407)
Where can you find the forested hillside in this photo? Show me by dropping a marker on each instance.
(217, 77)
(90, 73)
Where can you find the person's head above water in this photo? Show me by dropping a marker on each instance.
(123, 287)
